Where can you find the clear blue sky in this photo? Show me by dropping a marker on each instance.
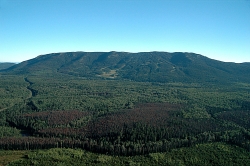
(218, 29)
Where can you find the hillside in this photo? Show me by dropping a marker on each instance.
(5, 65)
(143, 66)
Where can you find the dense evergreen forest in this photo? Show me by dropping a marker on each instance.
(122, 121)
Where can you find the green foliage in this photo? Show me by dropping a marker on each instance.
(9, 132)
(12, 90)
(203, 154)
(10, 156)
(195, 112)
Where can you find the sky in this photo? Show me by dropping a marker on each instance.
(218, 29)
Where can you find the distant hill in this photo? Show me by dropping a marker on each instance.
(143, 66)
(5, 65)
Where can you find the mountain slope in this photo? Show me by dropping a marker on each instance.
(144, 66)
(5, 65)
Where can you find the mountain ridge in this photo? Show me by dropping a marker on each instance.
(142, 66)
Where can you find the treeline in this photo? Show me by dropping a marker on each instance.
(202, 154)
(127, 148)
(31, 143)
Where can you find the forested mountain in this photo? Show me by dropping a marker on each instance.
(143, 66)
(5, 65)
(180, 109)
